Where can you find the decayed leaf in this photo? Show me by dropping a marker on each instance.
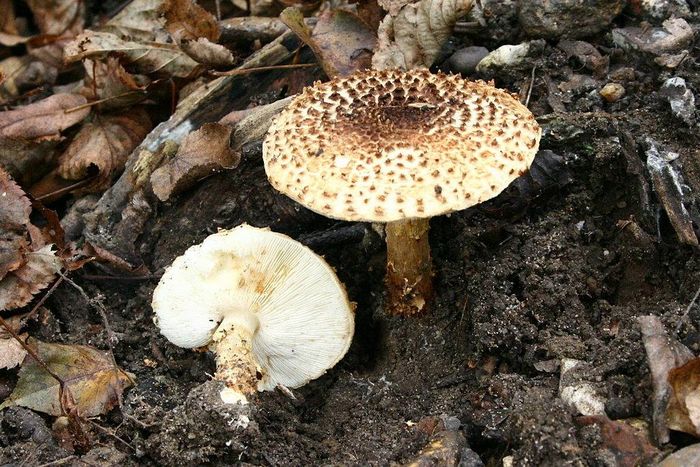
(202, 152)
(93, 381)
(108, 82)
(19, 286)
(663, 354)
(341, 41)
(26, 159)
(140, 20)
(24, 73)
(42, 119)
(208, 53)
(11, 352)
(144, 57)
(344, 41)
(57, 17)
(185, 20)
(14, 216)
(683, 412)
(9, 35)
(104, 144)
(413, 36)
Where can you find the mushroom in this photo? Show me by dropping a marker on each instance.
(272, 310)
(399, 147)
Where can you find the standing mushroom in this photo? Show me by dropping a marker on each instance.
(271, 309)
(399, 147)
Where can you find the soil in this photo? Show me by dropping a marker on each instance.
(559, 266)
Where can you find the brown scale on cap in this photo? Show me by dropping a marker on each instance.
(404, 133)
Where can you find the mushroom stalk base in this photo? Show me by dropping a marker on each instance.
(235, 362)
(409, 266)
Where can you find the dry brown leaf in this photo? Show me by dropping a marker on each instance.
(103, 144)
(57, 17)
(43, 119)
(9, 35)
(27, 160)
(208, 53)
(202, 153)
(14, 217)
(19, 286)
(344, 41)
(11, 352)
(415, 34)
(143, 57)
(185, 20)
(24, 73)
(663, 354)
(90, 376)
(683, 412)
(140, 20)
(109, 82)
(341, 41)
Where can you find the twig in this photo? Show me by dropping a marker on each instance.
(45, 297)
(684, 316)
(532, 83)
(58, 461)
(60, 191)
(99, 101)
(107, 277)
(113, 435)
(245, 71)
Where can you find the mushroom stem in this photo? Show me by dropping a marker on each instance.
(235, 362)
(409, 267)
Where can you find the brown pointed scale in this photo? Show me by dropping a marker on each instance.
(387, 145)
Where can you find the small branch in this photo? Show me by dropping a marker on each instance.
(532, 84)
(685, 314)
(245, 71)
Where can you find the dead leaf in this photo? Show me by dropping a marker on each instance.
(143, 57)
(627, 446)
(415, 34)
(24, 73)
(9, 35)
(43, 119)
(341, 41)
(104, 144)
(344, 42)
(185, 20)
(57, 17)
(19, 286)
(14, 217)
(93, 381)
(26, 160)
(683, 412)
(11, 352)
(202, 153)
(140, 20)
(663, 355)
(688, 456)
(109, 82)
(208, 53)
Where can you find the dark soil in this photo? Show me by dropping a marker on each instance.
(554, 268)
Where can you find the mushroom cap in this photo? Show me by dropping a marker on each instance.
(303, 321)
(386, 145)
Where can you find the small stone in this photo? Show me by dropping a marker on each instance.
(587, 54)
(510, 57)
(671, 61)
(469, 458)
(465, 60)
(689, 455)
(624, 73)
(612, 92)
(675, 35)
(578, 84)
(567, 18)
(680, 98)
(661, 9)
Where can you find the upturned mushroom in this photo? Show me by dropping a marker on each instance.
(399, 147)
(272, 310)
